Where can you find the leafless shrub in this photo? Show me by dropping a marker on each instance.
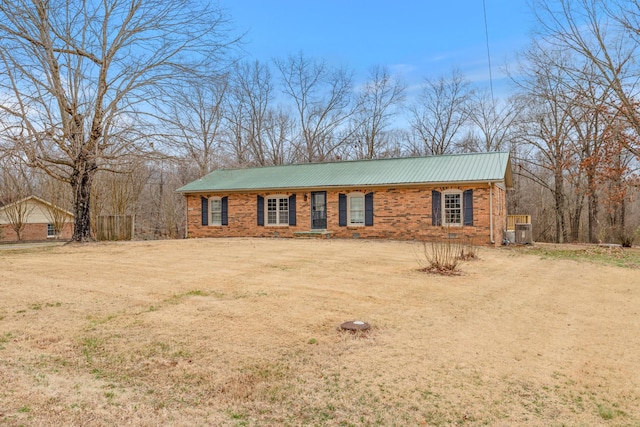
(468, 252)
(627, 238)
(444, 256)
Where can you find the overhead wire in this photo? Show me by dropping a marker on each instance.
(486, 33)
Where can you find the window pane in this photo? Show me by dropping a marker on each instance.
(272, 211)
(272, 217)
(278, 211)
(453, 209)
(284, 211)
(319, 201)
(216, 212)
(356, 209)
(216, 218)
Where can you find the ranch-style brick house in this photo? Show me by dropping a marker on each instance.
(459, 196)
(40, 219)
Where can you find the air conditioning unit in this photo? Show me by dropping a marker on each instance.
(523, 234)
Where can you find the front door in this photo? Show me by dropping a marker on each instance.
(319, 210)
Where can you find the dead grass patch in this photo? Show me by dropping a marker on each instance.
(244, 332)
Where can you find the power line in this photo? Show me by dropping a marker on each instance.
(486, 33)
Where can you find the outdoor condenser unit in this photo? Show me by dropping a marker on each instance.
(523, 234)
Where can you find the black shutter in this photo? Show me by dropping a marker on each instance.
(260, 210)
(342, 210)
(205, 210)
(467, 204)
(225, 211)
(292, 209)
(436, 208)
(368, 209)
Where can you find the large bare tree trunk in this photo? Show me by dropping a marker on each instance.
(592, 206)
(81, 182)
(560, 207)
(88, 81)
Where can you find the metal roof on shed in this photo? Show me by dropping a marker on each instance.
(457, 168)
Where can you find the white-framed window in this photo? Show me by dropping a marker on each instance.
(215, 211)
(355, 209)
(51, 231)
(277, 211)
(452, 212)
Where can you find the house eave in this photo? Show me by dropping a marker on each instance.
(39, 200)
(344, 186)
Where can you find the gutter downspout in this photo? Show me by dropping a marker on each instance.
(491, 214)
(186, 216)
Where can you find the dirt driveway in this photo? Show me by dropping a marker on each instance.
(243, 332)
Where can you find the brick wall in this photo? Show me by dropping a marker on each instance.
(33, 232)
(399, 213)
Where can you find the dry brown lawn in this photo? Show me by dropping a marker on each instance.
(243, 332)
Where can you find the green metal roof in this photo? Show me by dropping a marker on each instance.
(458, 168)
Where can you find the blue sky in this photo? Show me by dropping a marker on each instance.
(419, 38)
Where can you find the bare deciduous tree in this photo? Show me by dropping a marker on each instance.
(322, 100)
(493, 120)
(249, 99)
(545, 127)
(17, 214)
(258, 133)
(78, 79)
(377, 103)
(590, 122)
(195, 120)
(279, 131)
(15, 187)
(605, 36)
(440, 112)
(617, 178)
(57, 194)
(161, 211)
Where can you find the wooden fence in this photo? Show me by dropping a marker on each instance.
(512, 220)
(115, 227)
